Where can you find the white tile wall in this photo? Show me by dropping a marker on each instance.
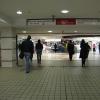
(7, 32)
(6, 54)
(7, 64)
(8, 43)
(8, 46)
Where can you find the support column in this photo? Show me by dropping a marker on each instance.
(0, 49)
(8, 47)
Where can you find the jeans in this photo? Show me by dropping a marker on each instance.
(28, 61)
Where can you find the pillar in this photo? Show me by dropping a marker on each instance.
(8, 47)
(0, 50)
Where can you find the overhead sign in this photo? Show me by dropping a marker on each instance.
(40, 22)
(88, 21)
(65, 21)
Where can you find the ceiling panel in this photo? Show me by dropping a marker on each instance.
(47, 8)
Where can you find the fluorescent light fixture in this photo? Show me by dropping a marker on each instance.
(64, 11)
(50, 31)
(23, 31)
(23, 37)
(2, 20)
(55, 40)
(19, 12)
(75, 31)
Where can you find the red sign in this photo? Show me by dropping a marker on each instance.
(65, 21)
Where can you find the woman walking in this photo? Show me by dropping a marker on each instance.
(84, 51)
(70, 49)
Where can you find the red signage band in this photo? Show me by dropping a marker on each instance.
(65, 21)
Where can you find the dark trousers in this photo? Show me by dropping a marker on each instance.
(39, 58)
(83, 61)
(70, 56)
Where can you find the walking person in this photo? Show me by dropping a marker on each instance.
(99, 47)
(55, 47)
(27, 49)
(70, 49)
(39, 48)
(94, 47)
(84, 51)
(87, 48)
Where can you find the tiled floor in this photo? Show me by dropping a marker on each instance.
(62, 59)
(62, 80)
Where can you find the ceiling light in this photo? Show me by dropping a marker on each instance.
(64, 11)
(2, 20)
(75, 31)
(23, 31)
(50, 31)
(19, 12)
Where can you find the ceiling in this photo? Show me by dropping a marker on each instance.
(36, 9)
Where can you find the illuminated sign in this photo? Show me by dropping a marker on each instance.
(65, 21)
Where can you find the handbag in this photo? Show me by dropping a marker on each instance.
(21, 55)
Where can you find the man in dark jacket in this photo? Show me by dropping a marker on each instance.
(39, 48)
(27, 49)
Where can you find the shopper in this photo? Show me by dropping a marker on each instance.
(94, 47)
(99, 47)
(55, 47)
(27, 49)
(39, 48)
(88, 49)
(84, 51)
(70, 49)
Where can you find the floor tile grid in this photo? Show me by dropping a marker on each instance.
(12, 88)
(47, 87)
(59, 85)
(43, 85)
(51, 88)
(80, 85)
(52, 91)
(39, 84)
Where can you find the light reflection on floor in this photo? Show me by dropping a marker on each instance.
(62, 59)
(65, 56)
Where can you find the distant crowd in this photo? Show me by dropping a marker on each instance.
(27, 50)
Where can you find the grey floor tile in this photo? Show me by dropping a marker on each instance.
(57, 82)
